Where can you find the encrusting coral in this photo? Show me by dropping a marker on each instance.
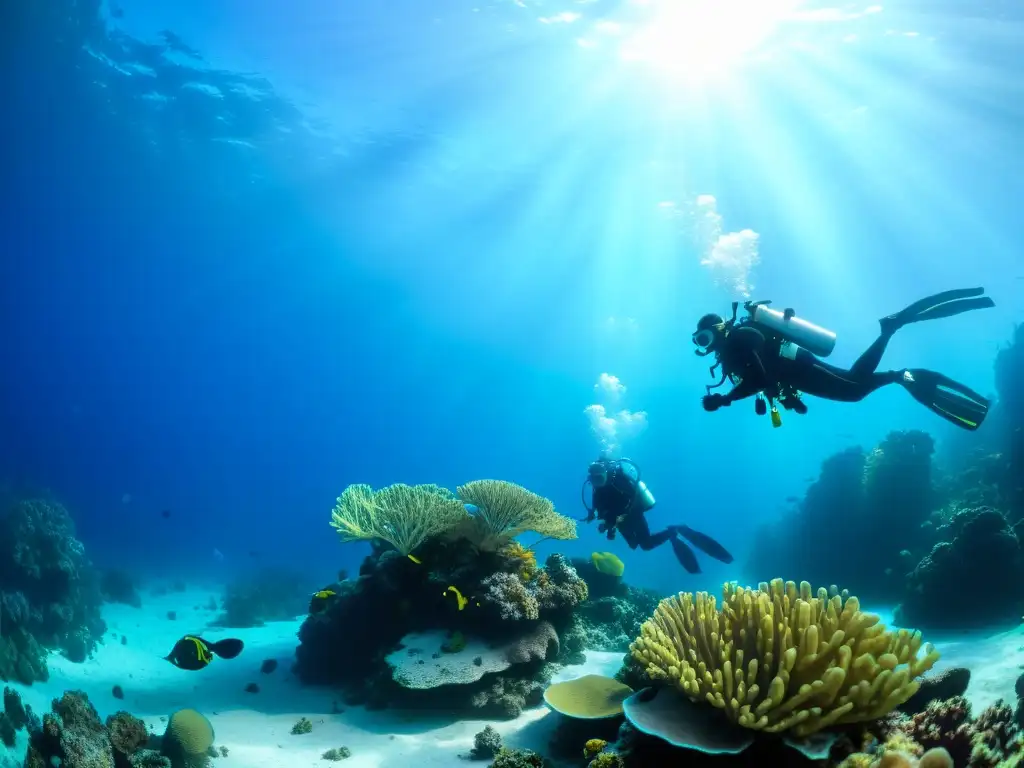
(403, 515)
(777, 658)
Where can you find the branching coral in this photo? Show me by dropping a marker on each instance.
(509, 595)
(780, 659)
(404, 516)
(505, 510)
(556, 588)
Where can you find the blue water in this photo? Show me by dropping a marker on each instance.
(290, 247)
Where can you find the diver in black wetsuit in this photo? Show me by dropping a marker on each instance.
(620, 500)
(776, 356)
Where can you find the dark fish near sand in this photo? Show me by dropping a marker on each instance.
(194, 653)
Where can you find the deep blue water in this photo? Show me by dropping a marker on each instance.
(292, 246)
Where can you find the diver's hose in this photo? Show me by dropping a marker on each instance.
(583, 497)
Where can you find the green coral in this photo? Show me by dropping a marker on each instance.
(517, 758)
(404, 516)
(455, 642)
(506, 510)
(302, 726)
(188, 737)
(338, 753)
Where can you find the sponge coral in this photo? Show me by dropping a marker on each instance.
(777, 658)
(404, 516)
(505, 510)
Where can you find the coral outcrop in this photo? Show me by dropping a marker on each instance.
(956, 585)
(781, 658)
(883, 497)
(51, 596)
(456, 623)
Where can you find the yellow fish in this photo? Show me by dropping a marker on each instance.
(415, 559)
(320, 599)
(608, 564)
(462, 602)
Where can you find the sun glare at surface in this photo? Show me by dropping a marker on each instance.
(698, 39)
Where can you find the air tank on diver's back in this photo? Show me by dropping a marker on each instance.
(815, 339)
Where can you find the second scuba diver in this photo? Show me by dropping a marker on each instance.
(777, 356)
(620, 500)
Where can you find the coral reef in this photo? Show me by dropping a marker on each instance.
(943, 734)
(486, 744)
(951, 587)
(780, 659)
(51, 597)
(404, 516)
(1009, 373)
(590, 697)
(117, 586)
(73, 735)
(270, 594)
(883, 498)
(459, 622)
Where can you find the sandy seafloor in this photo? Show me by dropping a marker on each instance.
(256, 727)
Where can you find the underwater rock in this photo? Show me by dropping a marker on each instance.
(71, 735)
(117, 586)
(953, 585)
(486, 744)
(271, 594)
(51, 590)
(945, 685)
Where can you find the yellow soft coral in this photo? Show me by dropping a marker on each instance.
(779, 658)
(525, 559)
(505, 510)
(402, 515)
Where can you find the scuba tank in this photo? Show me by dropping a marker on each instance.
(644, 496)
(815, 339)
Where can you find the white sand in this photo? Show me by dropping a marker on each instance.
(256, 727)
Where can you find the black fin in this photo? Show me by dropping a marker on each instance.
(227, 648)
(705, 544)
(685, 556)
(945, 304)
(953, 401)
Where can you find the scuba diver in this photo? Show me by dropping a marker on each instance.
(777, 357)
(620, 499)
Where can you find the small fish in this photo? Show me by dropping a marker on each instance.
(461, 601)
(458, 597)
(415, 559)
(193, 653)
(792, 499)
(319, 601)
(165, 514)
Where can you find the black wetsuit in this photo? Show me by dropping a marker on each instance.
(616, 512)
(617, 506)
(762, 367)
(764, 362)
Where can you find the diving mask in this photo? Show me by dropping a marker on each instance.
(598, 472)
(704, 338)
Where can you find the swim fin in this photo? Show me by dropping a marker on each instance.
(685, 555)
(704, 543)
(945, 304)
(950, 399)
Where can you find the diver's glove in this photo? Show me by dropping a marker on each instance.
(714, 401)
